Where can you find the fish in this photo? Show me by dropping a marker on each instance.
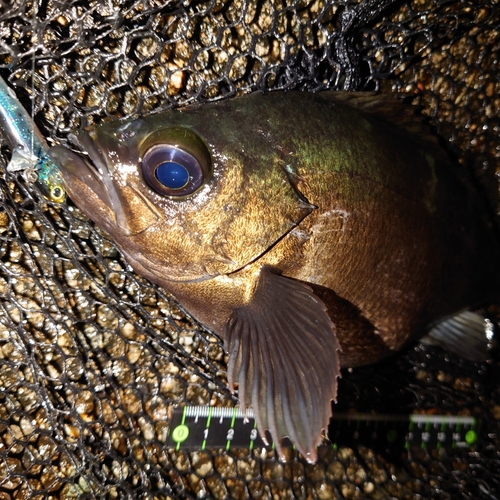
(306, 230)
(29, 147)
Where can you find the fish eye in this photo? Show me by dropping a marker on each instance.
(171, 171)
(178, 167)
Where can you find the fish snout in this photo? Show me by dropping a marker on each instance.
(89, 181)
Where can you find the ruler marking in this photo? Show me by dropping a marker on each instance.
(253, 435)
(206, 431)
(230, 432)
(203, 427)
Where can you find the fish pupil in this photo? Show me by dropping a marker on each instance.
(172, 175)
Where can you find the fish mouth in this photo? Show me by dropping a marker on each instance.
(93, 172)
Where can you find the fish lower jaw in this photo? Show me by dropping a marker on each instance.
(161, 274)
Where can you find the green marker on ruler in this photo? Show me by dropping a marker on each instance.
(230, 432)
(441, 435)
(253, 435)
(203, 427)
(207, 429)
(426, 435)
(180, 432)
(409, 436)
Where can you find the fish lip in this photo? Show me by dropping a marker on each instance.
(93, 171)
(74, 165)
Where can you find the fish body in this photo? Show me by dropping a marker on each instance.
(29, 148)
(306, 233)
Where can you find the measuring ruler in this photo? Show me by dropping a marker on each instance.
(202, 427)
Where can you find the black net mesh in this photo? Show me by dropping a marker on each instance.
(93, 357)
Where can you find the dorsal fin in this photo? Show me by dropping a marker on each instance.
(390, 108)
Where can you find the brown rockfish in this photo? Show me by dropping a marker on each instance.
(306, 232)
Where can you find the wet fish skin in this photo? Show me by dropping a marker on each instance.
(322, 237)
(29, 148)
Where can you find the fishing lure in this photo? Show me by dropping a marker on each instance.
(29, 148)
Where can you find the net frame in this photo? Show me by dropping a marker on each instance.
(93, 357)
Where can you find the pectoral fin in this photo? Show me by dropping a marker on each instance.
(283, 354)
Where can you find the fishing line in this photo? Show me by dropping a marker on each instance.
(34, 39)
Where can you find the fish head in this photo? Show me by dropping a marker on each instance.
(186, 194)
